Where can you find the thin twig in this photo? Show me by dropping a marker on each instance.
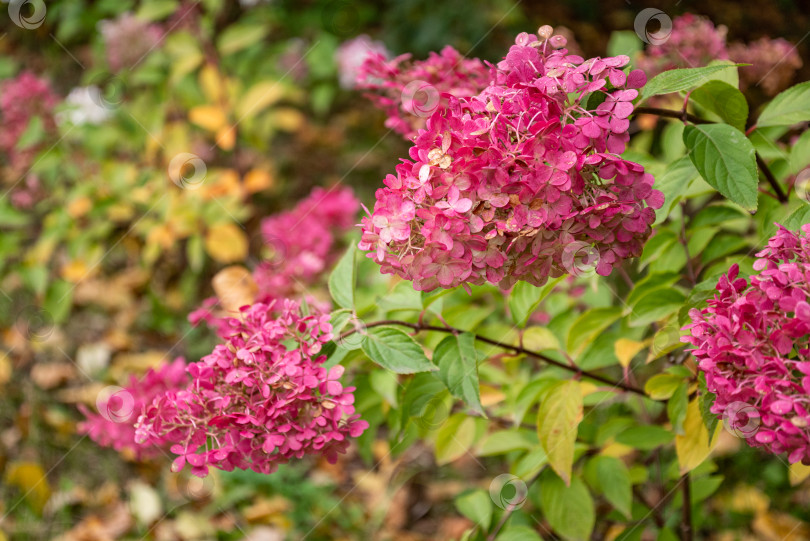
(686, 520)
(418, 327)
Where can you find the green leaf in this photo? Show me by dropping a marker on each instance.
(59, 299)
(394, 350)
(454, 438)
(505, 441)
(800, 153)
(624, 42)
(645, 438)
(655, 305)
(680, 79)
(458, 368)
(239, 36)
(525, 298)
(798, 218)
(476, 506)
(518, 533)
(558, 418)
(342, 280)
(568, 509)
(787, 108)
(588, 326)
(676, 407)
(662, 386)
(673, 184)
(611, 477)
(705, 401)
(724, 100)
(725, 159)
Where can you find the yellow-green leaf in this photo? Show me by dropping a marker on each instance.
(454, 438)
(558, 419)
(693, 446)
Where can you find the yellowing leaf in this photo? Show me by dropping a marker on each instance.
(257, 180)
(222, 184)
(212, 84)
(693, 446)
(798, 473)
(79, 207)
(490, 395)
(209, 117)
(5, 368)
(454, 438)
(30, 478)
(558, 419)
(234, 287)
(288, 119)
(259, 96)
(226, 243)
(74, 271)
(226, 137)
(539, 338)
(626, 349)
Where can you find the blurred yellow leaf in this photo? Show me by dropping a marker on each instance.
(626, 349)
(693, 446)
(288, 119)
(226, 137)
(74, 271)
(120, 212)
(798, 473)
(258, 96)
(772, 526)
(234, 287)
(748, 499)
(226, 243)
(212, 84)
(5, 368)
(161, 235)
(79, 207)
(221, 183)
(558, 420)
(490, 395)
(539, 338)
(30, 478)
(210, 117)
(257, 180)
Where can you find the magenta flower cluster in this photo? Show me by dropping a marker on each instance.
(22, 98)
(303, 242)
(259, 400)
(521, 181)
(753, 344)
(409, 91)
(114, 424)
(694, 41)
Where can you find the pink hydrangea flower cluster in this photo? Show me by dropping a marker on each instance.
(694, 41)
(22, 98)
(774, 62)
(259, 400)
(753, 344)
(128, 39)
(522, 181)
(351, 55)
(114, 424)
(409, 91)
(303, 242)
